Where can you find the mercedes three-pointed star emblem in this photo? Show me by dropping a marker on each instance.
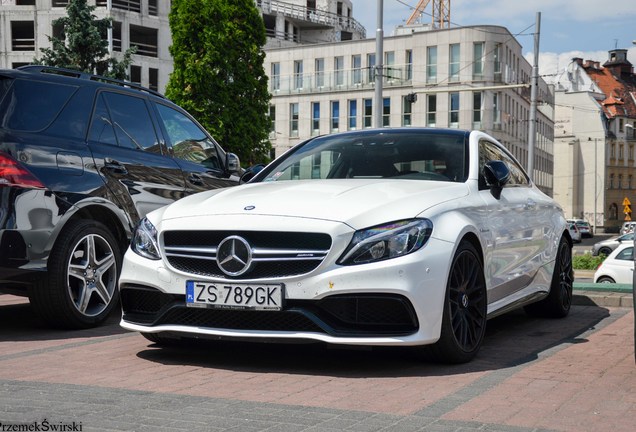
(234, 256)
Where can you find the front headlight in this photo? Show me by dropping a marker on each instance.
(387, 241)
(144, 241)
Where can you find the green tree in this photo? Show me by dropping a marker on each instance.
(82, 44)
(218, 72)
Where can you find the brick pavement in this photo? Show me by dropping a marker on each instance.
(576, 374)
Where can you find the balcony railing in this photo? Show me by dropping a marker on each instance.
(317, 16)
(337, 80)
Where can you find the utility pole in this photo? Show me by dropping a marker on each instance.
(379, 69)
(534, 85)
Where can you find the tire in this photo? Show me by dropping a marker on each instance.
(604, 251)
(83, 269)
(465, 307)
(606, 280)
(558, 302)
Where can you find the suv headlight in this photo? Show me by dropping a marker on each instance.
(144, 240)
(387, 241)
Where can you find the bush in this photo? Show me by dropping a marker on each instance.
(587, 261)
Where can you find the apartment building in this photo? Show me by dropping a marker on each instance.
(466, 77)
(26, 24)
(595, 139)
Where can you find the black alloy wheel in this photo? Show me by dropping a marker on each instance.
(464, 317)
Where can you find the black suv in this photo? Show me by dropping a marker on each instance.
(82, 159)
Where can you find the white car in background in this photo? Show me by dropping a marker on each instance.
(394, 237)
(618, 267)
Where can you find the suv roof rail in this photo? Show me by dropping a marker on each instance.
(88, 76)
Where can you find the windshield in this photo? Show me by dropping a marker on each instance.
(408, 155)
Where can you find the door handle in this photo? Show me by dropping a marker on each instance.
(115, 166)
(195, 179)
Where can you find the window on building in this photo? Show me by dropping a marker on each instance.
(620, 181)
(153, 79)
(368, 113)
(453, 64)
(453, 112)
(315, 118)
(145, 39)
(409, 64)
(320, 72)
(431, 110)
(356, 69)
(611, 181)
(497, 62)
(389, 67)
(25, 2)
(152, 8)
(272, 122)
(478, 60)
(275, 76)
(629, 182)
(496, 110)
(57, 31)
(353, 114)
(22, 35)
(298, 74)
(620, 152)
(335, 116)
(621, 125)
(386, 112)
(477, 110)
(631, 152)
(407, 110)
(431, 64)
(117, 36)
(135, 74)
(129, 5)
(293, 120)
(370, 68)
(338, 68)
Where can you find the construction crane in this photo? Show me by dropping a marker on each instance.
(440, 17)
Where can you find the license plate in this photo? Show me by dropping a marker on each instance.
(234, 296)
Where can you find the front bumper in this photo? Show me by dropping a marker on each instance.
(394, 302)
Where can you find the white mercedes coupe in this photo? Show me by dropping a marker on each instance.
(407, 236)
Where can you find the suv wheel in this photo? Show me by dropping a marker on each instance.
(83, 270)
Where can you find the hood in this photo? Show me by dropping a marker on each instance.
(357, 202)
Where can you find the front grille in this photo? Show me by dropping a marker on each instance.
(274, 254)
(364, 315)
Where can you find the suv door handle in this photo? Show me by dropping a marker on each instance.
(116, 166)
(195, 179)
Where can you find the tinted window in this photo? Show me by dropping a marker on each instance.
(131, 122)
(5, 83)
(404, 156)
(102, 127)
(33, 105)
(187, 139)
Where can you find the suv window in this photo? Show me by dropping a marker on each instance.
(187, 140)
(125, 121)
(32, 105)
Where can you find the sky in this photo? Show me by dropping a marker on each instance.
(569, 28)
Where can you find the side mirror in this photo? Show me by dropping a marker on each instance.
(251, 172)
(497, 175)
(232, 163)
